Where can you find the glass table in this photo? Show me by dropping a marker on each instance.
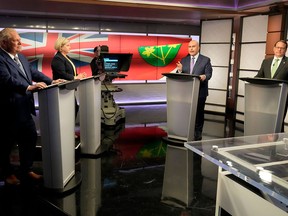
(248, 163)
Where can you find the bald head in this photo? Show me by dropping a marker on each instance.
(193, 47)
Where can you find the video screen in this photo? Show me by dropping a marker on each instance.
(116, 62)
(111, 64)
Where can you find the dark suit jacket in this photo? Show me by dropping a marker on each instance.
(201, 66)
(16, 103)
(281, 72)
(96, 66)
(61, 67)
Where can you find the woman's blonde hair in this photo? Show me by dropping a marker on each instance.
(60, 42)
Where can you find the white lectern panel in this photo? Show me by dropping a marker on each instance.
(90, 114)
(57, 124)
(182, 99)
(264, 106)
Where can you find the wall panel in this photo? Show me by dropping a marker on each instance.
(216, 31)
(252, 55)
(216, 43)
(254, 28)
(219, 79)
(253, 47)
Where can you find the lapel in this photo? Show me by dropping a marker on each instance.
(280, 67)
(68, 66)
(196, 65)
(26, 68)
(14, 65)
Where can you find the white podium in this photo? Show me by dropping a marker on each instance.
(265, 101)
(57, 127)
(182, 100)
(90, 113)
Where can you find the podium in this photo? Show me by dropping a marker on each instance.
(182, 100)
(57, 127)
(90, 113)
(265, 101)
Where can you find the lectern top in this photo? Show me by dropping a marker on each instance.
(180, 76)
(262, 81)
(69, 85)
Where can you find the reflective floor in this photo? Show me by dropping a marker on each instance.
(126, 175)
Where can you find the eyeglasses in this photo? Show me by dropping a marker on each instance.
(281, 48)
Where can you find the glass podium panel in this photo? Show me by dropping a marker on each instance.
(260, 160)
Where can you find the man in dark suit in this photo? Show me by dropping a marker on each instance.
(276, 67)
(16, 107)
(197, 64)
(279, 60)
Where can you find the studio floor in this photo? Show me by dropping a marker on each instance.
(126, 175)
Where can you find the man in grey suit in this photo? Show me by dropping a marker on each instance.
(197, 64)
(276, 67)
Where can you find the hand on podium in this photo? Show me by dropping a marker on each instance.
(36, 86)
(81, 76)
(58, 81)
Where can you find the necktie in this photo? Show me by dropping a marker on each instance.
(192, 64)
(16, 59)
(274, 67)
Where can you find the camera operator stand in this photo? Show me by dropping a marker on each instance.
(111, 113)
(111, 64)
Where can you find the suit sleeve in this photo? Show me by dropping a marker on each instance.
(208, 69)
(260, 73)
(185, 65)
(38, 76)
(9, 80)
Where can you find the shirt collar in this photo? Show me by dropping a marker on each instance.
(195, 57)
(280, 59)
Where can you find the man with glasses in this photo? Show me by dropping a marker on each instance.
(275, 67)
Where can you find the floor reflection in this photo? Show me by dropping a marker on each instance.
(125, 177)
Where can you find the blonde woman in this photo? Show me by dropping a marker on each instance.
(63, 67)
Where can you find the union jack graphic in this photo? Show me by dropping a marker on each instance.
(39, 49)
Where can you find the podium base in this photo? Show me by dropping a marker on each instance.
(97, 154)
(177, 187)
(69, 188)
